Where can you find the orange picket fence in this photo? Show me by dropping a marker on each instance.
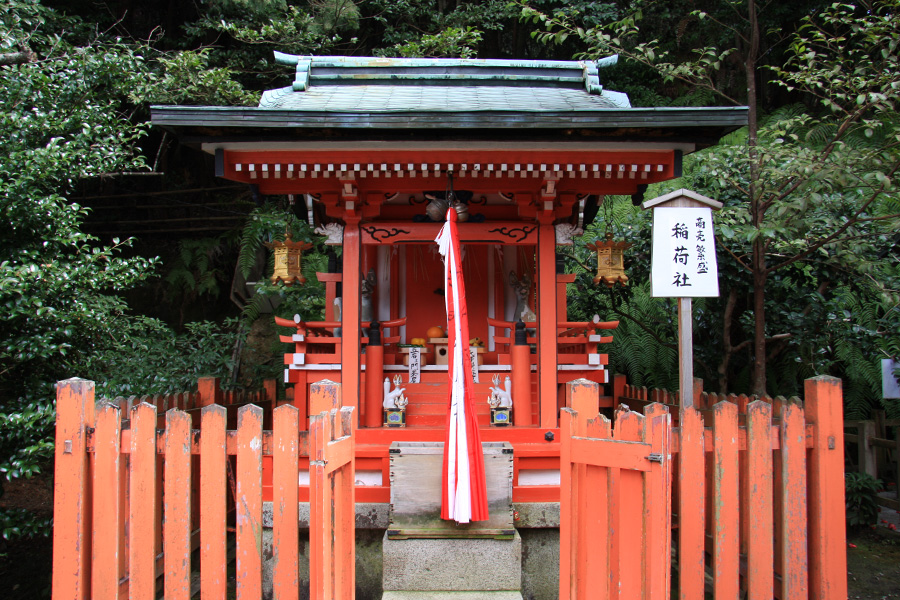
(134, 504)
(756, 507)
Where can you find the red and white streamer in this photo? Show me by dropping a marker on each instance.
(464, 493)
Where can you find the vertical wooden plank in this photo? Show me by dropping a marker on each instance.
(324, 396)
(568, 582)
(339, 531)
(628, 523)
(124, 503)
(546, 311)
(158, 501)
(777, 486)
(270, 391)
(348, 507)
(587, 513)
(593, 534)
(827, 540)
(248, 504)
(657, 504)
(177, 509)
(794, 582)
(209, 391)
(583, 396)
(760, 565)
(285, 502)
(726, 548)
(142, 509)
(691, 506)
(321, 514)
(213, 562)
(743, 475)
(105, 556)
(71, 500)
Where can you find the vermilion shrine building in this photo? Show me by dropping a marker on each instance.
(532, 147)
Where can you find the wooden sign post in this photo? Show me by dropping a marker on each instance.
(684, 267)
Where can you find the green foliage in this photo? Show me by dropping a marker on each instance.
(25, 438)
(19, 523)
(245, 39)
(161, 362)
(199, 268)
(453, 42)
(26, 433)
(187, 78)
(63, 118)
(265, 225)
(861, 494)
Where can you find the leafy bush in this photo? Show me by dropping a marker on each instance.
(18, 523)
(155, 360)
(861, 493)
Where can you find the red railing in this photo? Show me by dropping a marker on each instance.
(132, 503)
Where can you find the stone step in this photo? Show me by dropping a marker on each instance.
(444, 595)
(452, 565)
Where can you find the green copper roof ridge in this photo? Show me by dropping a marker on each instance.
(374, 61)
(459, 71)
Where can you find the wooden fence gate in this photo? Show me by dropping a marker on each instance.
(756, 500)
(614, 500)
(133, 503)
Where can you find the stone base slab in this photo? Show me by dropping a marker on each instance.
(474, 565)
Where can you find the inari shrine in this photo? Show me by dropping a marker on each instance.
(530, 149)
(446, 186)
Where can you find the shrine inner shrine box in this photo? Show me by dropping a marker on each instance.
(372, 150)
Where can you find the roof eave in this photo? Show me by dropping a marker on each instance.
(195, 124)
(218, 117)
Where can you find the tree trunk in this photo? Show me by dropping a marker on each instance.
(727, 348)
(757, 211)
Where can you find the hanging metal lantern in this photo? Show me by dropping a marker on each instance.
(288, 268)
(610, 261)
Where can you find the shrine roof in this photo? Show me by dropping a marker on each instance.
(341, 99)
(383, 85)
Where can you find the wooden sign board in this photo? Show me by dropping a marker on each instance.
(684, 267)
(684, 253)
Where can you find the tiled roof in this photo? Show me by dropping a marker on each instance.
(374, 85)
(437, 98)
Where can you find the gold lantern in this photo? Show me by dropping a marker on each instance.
(287, 260)
(610, 261)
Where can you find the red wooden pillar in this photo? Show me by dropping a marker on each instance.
(71, 490)
(562, 282)
(521, 379)
(547, 351)
(350, 329)
(374, 374)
